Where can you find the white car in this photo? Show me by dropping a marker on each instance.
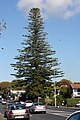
(22, 102)
(38, 107)
(17, 111)
(78, 105)
(4, 102)
(28, 103)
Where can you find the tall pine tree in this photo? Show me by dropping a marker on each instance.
(35, 63)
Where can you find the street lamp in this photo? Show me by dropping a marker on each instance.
(55, 100)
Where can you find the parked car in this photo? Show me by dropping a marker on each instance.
(22, 102)
(74, 116)
(17, 111)
(6, 108)
(37, 107)
(4, 102)
(28, 103)
(78, 104)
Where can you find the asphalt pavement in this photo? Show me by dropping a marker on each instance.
(2, 113)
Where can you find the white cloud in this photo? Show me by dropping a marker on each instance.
(58, 8)
(25, 5)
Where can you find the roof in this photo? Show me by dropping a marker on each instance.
(77, 85)
(17, 91)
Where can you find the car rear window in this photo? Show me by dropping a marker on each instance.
(35, 104)
(28, 101)
(41, 104)
(38, 104)
(16, 107)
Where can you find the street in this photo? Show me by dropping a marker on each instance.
(46, 117)
(54, 114)
(51, 114)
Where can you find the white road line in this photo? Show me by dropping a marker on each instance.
(60, 113)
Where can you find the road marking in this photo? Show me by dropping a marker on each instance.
(30, 115)
(50, 110)
(60, 113)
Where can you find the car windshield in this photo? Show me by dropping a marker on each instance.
(41, 104)
(38, 104)
(28, 101)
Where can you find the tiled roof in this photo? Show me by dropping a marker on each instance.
(18, 90)
(75, 85)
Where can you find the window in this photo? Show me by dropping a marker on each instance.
(78, 90)
(75, 116)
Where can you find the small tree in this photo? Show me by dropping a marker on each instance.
(35, 63)
(4, 89)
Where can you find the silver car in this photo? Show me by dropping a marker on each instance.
(37, 107)
(17, 111)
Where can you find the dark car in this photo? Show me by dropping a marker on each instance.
(6, 108)
(74, 116)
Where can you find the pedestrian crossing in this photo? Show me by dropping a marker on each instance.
(59, 113)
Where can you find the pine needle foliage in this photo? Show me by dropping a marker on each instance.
(35, 63)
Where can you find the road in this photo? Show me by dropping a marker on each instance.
(52, 113)
(46, 117)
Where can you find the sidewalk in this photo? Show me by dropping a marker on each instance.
(2, 117)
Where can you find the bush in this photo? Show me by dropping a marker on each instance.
(59, 100)
(71, 102)
(49, 101)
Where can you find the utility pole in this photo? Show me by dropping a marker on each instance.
(55, 88)
(55, 93)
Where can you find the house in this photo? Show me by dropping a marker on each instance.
(17, 93)
(75, 90)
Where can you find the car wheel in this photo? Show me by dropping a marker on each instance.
(44, 112)
(5, 115)
(28, 118)
(31, 111)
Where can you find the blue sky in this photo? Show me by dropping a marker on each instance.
(62, 23)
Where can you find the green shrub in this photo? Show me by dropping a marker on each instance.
(48, 101)
(71, 102)
(51, 101)
(59, 100)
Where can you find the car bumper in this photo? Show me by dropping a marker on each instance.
(13, 117)
(39, 110)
